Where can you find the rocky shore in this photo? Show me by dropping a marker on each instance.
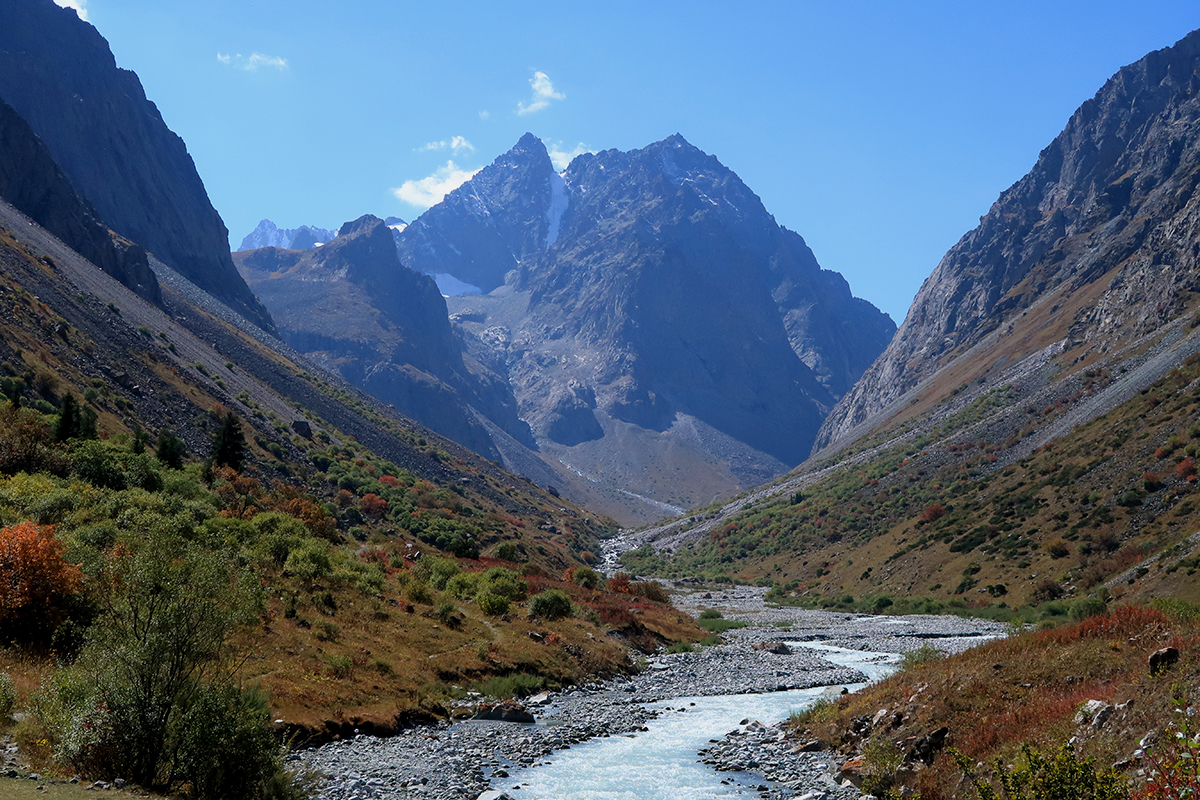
(464, 760)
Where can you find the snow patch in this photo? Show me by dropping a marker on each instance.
(559, 200)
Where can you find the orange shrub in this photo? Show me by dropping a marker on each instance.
(932, 513)
(373, 505)
(34, 579)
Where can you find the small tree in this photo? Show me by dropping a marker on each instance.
(171, 449)
(229, 446)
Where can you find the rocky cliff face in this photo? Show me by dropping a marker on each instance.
(351, 306)
(659, 329)
(57, 72)
(1105, 230)
(33, 183)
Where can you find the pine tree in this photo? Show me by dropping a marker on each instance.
(229, 448)
(171, 449)
(68, 419)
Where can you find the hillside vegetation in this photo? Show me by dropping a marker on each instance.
(947, 512)
(1089, 682)
(186, 529)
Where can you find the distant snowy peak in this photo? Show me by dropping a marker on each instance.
(268, 234)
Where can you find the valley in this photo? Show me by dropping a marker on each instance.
(541, 492)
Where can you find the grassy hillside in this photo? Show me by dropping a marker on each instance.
(954, 510)
(1030, 689)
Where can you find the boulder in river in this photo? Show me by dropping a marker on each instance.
(504, 711)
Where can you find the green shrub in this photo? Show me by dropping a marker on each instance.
(586, 577)
(418, 592)
(922, 655)
(226, 750)
(464, 585)
(718, 625)
(680, 647)
(340, 665)
(710, 613)
(1086, 607)
(311, 560)
(441, 570)
(445, 614)
(505, 583)
(507, 551)
(1060, 777)
(492, 604)
(550, 604)
(517, 684)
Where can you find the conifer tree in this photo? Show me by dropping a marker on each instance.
(229, 447)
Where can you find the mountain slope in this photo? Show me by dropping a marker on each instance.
(352, 307)
(663, 335)
(57, 72)
(1106, 222)
(1031, 432)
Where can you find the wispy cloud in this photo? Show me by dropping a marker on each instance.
(80, 7)
(543, 94)
(485, 115)
(561, 158)
(429, 191)
(456, 143)
(252, 62)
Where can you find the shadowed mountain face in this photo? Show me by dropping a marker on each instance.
(353, 308)
(33, 183)
(58, 74)
(659, 329)
(1104, 233)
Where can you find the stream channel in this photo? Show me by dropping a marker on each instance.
(662, 762)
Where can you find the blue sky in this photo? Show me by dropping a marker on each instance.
(880, 132)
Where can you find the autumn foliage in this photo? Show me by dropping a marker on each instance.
(34, 580)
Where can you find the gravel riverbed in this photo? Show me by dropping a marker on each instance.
(463, 760)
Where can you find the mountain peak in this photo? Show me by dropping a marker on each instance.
(364, 223)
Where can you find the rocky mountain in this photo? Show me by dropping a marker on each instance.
(1098, 244)
(33, 183)
(352, 307)
(268, 234)
(58, 73)
(660, 330)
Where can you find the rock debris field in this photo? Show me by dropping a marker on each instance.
(467, 760)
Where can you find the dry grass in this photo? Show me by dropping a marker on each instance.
(1028, 688)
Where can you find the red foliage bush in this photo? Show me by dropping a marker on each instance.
(933, 512)
(389, 480)
(373, 505)
(34, 579)
(1186, 468)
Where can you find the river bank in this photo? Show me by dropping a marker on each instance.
(460, 761)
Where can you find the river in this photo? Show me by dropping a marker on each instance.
(662, 763)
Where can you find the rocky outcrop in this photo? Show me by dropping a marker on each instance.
(351, 306)
(33, 183)
(655, 322)
(58, 74)
(1107, 222)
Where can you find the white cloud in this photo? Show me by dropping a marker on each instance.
(80, 7)
(543, 94)
(456, 143)
(429, 191)
(485, 115)
(252, 62)
(561, 158)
